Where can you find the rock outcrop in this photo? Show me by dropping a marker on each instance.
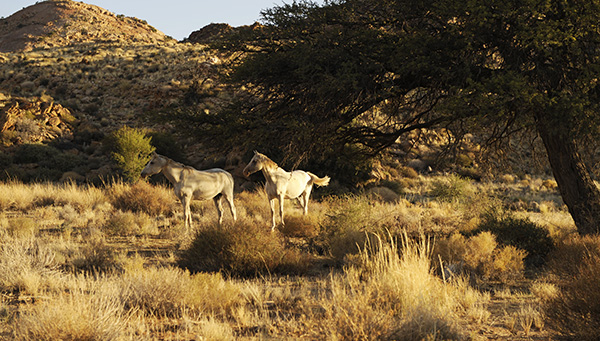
(33, 120)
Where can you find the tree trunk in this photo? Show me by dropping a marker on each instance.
(578, 190)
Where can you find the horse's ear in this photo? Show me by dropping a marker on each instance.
(255, 152)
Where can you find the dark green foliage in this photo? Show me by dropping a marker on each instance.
(241, 250)
(50, 163)
(33, 153)
(521, 233)
(167, 145)
(6, 159)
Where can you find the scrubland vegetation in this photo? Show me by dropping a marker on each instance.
(437, 258)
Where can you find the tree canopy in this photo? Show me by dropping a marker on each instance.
(352, 76)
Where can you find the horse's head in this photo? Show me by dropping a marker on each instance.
(254, 165)
(155, 165)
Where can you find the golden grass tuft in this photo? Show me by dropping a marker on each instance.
(143, 197)
(394, 294)
(172, 292)
(27, 266)
(90, 313)
(574, 310)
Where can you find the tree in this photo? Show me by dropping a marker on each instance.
(362, 73)
(131, 151)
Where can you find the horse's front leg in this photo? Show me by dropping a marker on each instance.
(187, 212)
(272, 203)
(219, 205)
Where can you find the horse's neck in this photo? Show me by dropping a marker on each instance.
(272, 173)
(173, 172)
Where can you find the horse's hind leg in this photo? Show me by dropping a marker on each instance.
(219, 205)
(229, 199)
(305, 196)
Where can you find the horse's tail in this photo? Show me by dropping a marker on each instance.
(324, 181)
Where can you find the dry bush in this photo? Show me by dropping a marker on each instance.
(544, 291)
(479, 255)
(521, 233)
(507, 264)
(90, 313)
(93, 257)
(451, 249)
(571, 252)
(303, 226)
(217, 331)
(129, 224)
(142, 197)
(393, 294)
(479, 250)
(21, 227)
(15, 195)
(528, 317)
(172, 292)
(453, 189)
(351, 220)
(245, 249)
(27, 266)
(575, 310)
(80, 197)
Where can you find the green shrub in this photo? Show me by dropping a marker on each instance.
(452, 188)
(521, 233)
(241, 250)
(131, 150)
(34, 153)
(345, 230)
(52, 163)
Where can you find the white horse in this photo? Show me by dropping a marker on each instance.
(190, 183)
(282, 184)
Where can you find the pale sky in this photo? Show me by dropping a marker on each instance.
(176, 18)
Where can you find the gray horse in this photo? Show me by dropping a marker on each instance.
(190, 183)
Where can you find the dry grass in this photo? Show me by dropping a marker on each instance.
(143, 197)
(353, 268)
(573, 310)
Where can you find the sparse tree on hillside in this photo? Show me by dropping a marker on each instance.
(131, 151)
(362, 73)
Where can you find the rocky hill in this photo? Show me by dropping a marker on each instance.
(70, 73)
(63, 22)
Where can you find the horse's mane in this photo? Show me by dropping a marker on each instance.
(268, 163)
(173, 162)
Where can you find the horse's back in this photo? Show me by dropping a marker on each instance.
(206, 184)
